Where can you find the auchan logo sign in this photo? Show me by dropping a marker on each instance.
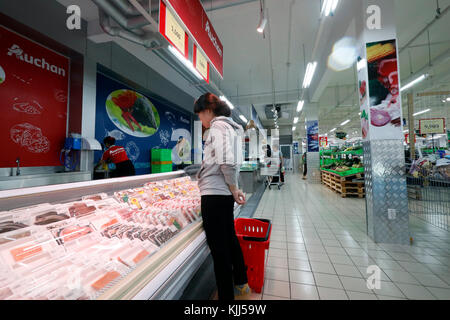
(38, 62)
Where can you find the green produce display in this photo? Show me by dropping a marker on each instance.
(345, 161)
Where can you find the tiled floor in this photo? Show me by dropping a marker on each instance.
(319, 250)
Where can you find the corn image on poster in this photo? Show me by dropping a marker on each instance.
(385, 112)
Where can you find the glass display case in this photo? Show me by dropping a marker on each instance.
(125, 238)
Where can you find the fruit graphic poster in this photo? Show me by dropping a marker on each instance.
(139, 123)
(385, 113)
(34, 82)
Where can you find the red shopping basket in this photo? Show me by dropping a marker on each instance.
(254, 238)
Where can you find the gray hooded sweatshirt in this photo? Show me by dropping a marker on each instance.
(222, 157)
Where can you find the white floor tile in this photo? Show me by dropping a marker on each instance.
(322, 267)
(430, 280)
(354, 295)
(347, 270)
(440, 293)
(331, 294)
(340, 259)
(303, 292)
(279, 274)
(327, 280)
(277, 262)
(276, 288)
(388, 289)
(303, 277)
(354, 284)
(302, 265)
(415, 292)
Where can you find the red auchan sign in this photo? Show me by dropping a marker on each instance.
(199, 26)
(34, 86)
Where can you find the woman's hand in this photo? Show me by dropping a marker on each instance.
(238, 195)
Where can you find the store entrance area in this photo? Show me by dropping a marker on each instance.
(320, 249)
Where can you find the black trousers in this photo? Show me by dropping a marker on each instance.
(124, 169)
(218, 222)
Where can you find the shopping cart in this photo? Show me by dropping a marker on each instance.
(271, 169)
(254, 238)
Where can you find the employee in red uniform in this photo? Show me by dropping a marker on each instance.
(118, 156)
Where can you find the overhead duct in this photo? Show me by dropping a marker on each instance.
(130, 24)
(146, 40)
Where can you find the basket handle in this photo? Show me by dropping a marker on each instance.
(261, 239)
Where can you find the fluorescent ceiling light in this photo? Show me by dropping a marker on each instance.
(360, 113)
(414, 82)
(361, 64)
(185, 62)
(223, 98)
(295, 120)
(294, 128)
(421, 112)
(333, 130)
(300, 105)
(262, 24)
(329, 6)
(243, 118)
(345, 122)
(309, 74)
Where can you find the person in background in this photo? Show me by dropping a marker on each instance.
(218, 183)
(304, 166)
(118, 156)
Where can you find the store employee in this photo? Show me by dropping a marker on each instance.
(118, 156)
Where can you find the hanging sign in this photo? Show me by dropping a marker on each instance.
(201, 63)
(199, 27)
(430, 126)
(323, 141)
(172, 30)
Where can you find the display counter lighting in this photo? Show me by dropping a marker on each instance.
(185, 62)
(223, 98)
(414, 82)
(421, 112)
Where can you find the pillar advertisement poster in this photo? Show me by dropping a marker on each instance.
(312, 135)
(34, 82)
(384, 91)
(139, 124)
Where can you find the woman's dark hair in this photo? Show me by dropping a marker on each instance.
(109, 140)
(268, 151)
(210, 101)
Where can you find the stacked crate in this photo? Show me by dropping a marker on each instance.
(161, 160)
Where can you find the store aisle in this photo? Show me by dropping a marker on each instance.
(319, 250)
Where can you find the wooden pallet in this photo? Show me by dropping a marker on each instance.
(344, 187)
(337, 177)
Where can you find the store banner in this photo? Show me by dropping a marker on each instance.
(198, 25)
(34, 84)
(432, 126)
(363, 99)
(201, 63)
(139, 124)
(312, 135)
(384, 91)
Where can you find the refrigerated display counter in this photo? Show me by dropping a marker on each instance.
(135, 237)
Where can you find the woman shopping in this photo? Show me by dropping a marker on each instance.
(218, 183)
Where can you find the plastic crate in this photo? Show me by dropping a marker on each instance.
(254, 238)
(159, 168)
(161, 155)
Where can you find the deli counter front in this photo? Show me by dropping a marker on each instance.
(135, 237)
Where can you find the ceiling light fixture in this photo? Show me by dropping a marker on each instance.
(309, 74)
(345, 122)
(262, 18)
(421, 112)
(329, 7)
(295, 120)
(223, 98)
(294, 128)
(185, 62)
(300, 105)
(333, 129)
(243, 118)
(414, 82)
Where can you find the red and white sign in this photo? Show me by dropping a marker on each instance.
(323, 141)
(34, 89)
(172, 30)
(198, 25)
(407, 138)
(201, 63)
(432, 126)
